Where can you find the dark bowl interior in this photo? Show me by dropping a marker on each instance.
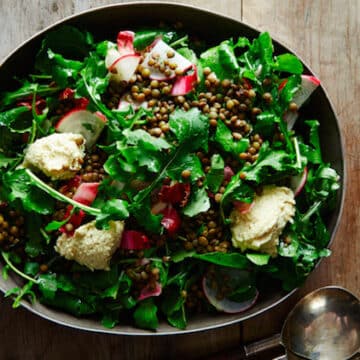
(104, 23)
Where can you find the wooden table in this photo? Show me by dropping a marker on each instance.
(326, 34)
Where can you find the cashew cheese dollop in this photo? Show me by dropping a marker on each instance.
(90, 246)
(260, 228)
(59, 156)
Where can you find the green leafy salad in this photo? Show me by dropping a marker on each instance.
(151, 177)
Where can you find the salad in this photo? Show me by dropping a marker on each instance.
(154, 176)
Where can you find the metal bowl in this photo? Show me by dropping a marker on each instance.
(105, 22)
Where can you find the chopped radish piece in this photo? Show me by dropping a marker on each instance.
(71, 184)
(112, 55)
(124, 67)
(297, 182)
(175, 194)
(125, 41)
(160, 53)
(86, 193)
(82, 122)
(126, 100)
(212, 289)
(184, 84)
(171, 220)
(134, 240)
(308, 85)
(67, 94)
(243, 207)
(149, 290)
(40, 105)
(228, 173)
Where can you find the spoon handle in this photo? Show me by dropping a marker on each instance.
(262, 345)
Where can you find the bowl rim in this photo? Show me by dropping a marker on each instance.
(138, 332)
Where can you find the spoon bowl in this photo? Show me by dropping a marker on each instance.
(325, 324)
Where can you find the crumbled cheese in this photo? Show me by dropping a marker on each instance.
(58, 156)
(260, 228)
(90, 246)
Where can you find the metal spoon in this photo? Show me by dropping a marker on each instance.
(324, 325)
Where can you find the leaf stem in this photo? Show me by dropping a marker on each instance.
(57, 195)
(314, 207)
(15, 269)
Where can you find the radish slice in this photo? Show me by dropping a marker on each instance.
(171, 220)
(112, 55)
(134, 240)
(308, 85)
(160, 52)
(184, 84)
(243, 207)
(82, 122)
(86, 193)
(228, 173)
(212, 284)
(126, 100)
(124, 67)
(149, 291)
(178, 193)
(125, 41)
(298, 182)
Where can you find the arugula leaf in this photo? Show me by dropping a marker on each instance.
(94, 82)
(7, 118)
(25, 91)
(144, 217)
(31, 268)
(258, 259)
(215, 176)
(35, 244)
(191, 129)
(271, 166)
(199, 202)
(226, 142)
(189, 162)
(289, 63)
(21, 293)
(227, 56)
(47, 284)
(68, 41)
(145, 315)
(33, 199)
(233, 260)
(114, 209)
(211, 58)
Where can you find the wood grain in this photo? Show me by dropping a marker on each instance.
(325, 34)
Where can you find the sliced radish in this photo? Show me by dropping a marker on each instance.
(243, 207)
(86, 193)
(124, 67)
(149, 291)
(82, 122)
(175, 194)
(125, 42)
(112, 55)
(171, 220)
(308, 84)
(184, 84)
(297, 182)
(213, 284)
(126, 100)
(228, 173)
(160, 52)
(134, 240)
